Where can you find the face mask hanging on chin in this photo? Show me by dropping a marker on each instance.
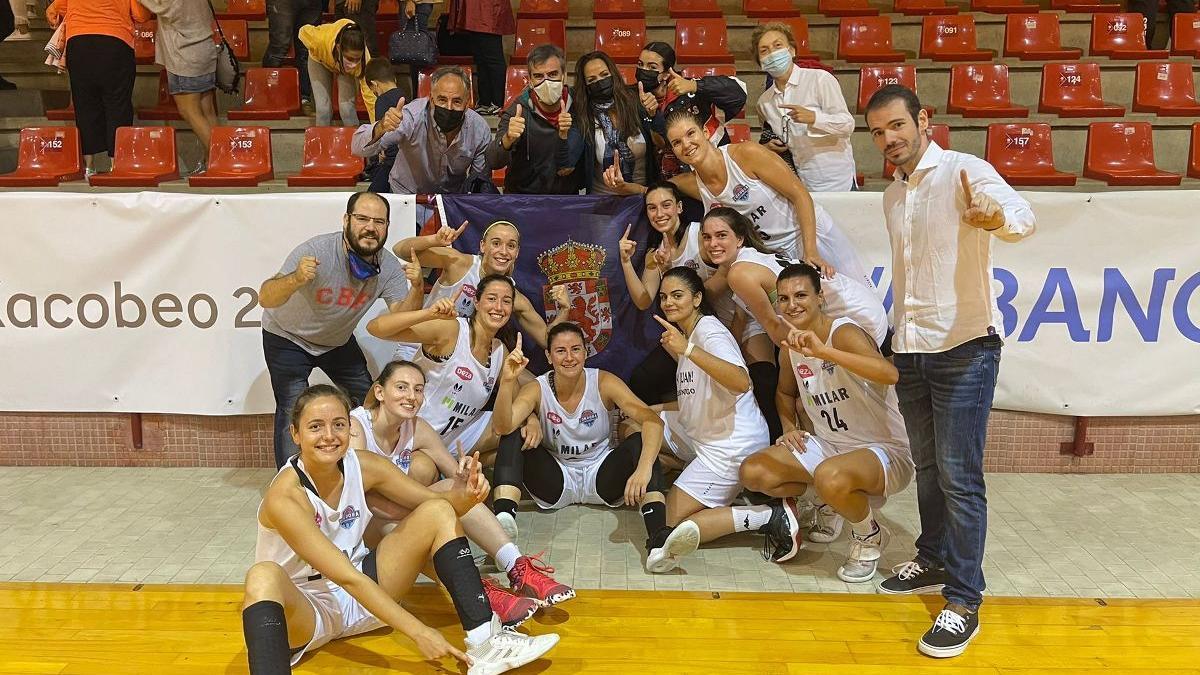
(361, 268)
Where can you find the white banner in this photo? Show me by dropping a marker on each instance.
(148, 302)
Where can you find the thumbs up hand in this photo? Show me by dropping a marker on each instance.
(392, 118)
(649, 102)
(516, 127)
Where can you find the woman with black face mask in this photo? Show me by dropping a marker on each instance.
(610, 126)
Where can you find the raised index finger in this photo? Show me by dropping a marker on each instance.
(461, 228)
(454, 298)
(518, 347)
(664, 322)
(627, 229)
(966, 184)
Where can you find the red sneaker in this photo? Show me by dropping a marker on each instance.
(512, 609)
(531, 578)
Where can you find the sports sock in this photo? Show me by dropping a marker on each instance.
(865, 527)
(504, 506)
(507, 556)
(658, 538)
(456, 569)
(654, 514)
(265, 629)
(750, 518)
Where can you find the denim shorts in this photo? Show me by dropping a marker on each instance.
(180, 84)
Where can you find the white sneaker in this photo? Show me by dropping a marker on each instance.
(864, 556)
(508, 524)
(507, 649)
(828, 526)
(683, 540)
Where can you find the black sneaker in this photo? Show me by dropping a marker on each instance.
(784, 539)
(913, 577)
(952, 631)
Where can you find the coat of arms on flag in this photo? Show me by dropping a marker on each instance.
(577, 266)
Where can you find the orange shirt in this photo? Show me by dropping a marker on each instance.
(99, 17)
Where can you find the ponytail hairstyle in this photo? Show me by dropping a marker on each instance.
(313, 393)
(507, 335)
(691, 280)
(801, 270)
(371, 401)
(351, 38)
(742, 228)
(666, 51)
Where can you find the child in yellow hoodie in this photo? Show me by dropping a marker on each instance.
(338, 50)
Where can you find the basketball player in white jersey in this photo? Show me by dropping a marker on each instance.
(577, 462)
(461, 359)
(315, 580)
(857, 453)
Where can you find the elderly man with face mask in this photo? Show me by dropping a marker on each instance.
(531, 139)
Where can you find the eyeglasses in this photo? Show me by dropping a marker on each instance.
(363, 220)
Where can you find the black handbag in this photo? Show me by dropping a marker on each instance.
(413, 46)
(229, 70)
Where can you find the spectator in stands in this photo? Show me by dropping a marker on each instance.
(311, 307)
(1149, 9)
(184, 48)
(805, 111)
(439, 141)
(531, 139)
(362, 13)
(611, 125)
(941, 213)
(7, 26)
(284, 19)
(339, 51)
(486, 22)
(704, 96)
(101, 66)
(380, 76)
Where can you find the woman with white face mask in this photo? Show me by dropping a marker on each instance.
(805, 110)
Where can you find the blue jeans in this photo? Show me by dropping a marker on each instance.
(946, 399)
(290, 366)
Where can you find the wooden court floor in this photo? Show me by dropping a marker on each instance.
(172, 629)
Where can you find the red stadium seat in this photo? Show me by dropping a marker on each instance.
(940, 133)
(145, 157)
(271, 94)
(951, 38)
(250, 10)
(237, 157)
(628, 73)
(237, 33)
(693, 9)
(981, 90)
(46, 156)
(619, 9)
(799, 26)
(1194, 154)
(498, 176)
(867, 39)
(425, 82)
(1002, 6)
(515, 81)
(328, 161)
(923, 7)
(1084, 6)
(542, 9)
(873, 78)
(846, 8)
(738, 133)
(1122, 35)
(769, 9)
(1036, 37)
(1185, 40)
(1165, 89)
(383, 33)
(1122, 154)
(1073, 90)
(534, 32)
(701, 41)
(1023, 154)
(143, 42)
(66, 114)
(388, 7)
(165, 108)
(622, 39)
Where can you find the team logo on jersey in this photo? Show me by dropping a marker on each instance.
(828, 367)
(489, 382)
(464, 373)
(349, 516)
(318, 520)
(577, 267)
(553, 417)
(741, 193)
(588, 418)
(403, 460)
(468, 291)
(803, 370)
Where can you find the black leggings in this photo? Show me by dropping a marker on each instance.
(653, 380)
(102, 71)
(542, 476)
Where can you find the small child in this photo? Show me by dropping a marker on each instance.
(381, 79)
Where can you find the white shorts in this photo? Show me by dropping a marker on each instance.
(898, 468)
(579, 483)
(338, 614)
(706, 486)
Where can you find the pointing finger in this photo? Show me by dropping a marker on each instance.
(627, 229)
(518, 347)
(454, 298)
(461, 228)
(966, 184)
(663, 321)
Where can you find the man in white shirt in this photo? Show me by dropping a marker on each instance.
(942, 211)
(805, 110)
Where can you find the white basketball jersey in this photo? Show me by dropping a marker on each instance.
(577, 437)
(457, 387)
(847, 410)
(401, 455)
(844, 296)
(344, 525)
(775, 220)
(469, 281)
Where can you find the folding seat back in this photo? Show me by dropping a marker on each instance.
(425, 83)
(841, 8)
(619, 9)
(271, 94)
(951, 38)
(237, 34)
(938, 133)
(738, 133)
(237, 157)
(981, 90)
(388, 7)
(1023, 154)
(66, 114)
(1002, 6)
(143, 42)
(250, 10)
(1194, 153)
(45, 157)
(693, 9)
(759, 9)
(873, 78)
(923, 7)
(1165, 88)
(702, 41)
(1037, 37)
(867, 39)
(1087, 6)
(1185, 38)
(534, 32)
(542, 9)
(1073, 90)
(516, 78)
(328, 161)
(1121, 35)
(1122, 154)
(622, 39)
(799, 26)
(165, 108)
(145, 156)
